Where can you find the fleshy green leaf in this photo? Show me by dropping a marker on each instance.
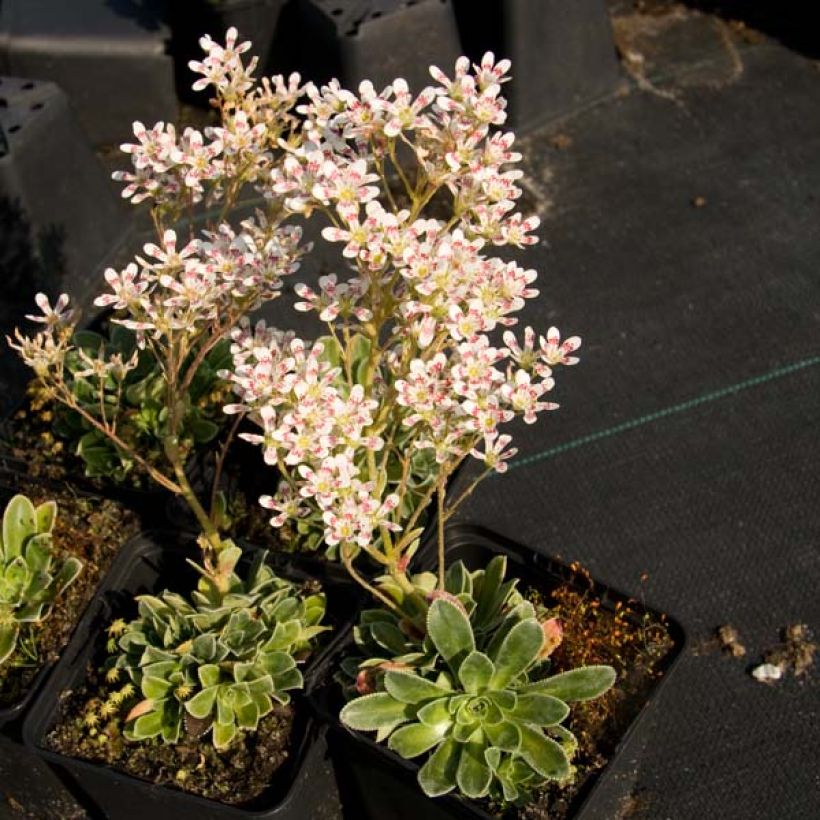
(435, 713)
(19, 524)
(491, 594)
(201, 704)
(505, 735)
(389, 636)
(584, 683)
(540, 709)
(473, 775)
(415, 738)
(45, 515)
(69, 571)
(475, 672)
(438, 775)
(450, 630)
(543, 754)
(146, 726)
(371, 712)
(155, 688)
(223, 734)
(517, 652)
(409, 688)
(8, 638)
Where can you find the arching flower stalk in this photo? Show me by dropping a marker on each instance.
(368, 423)
(185, 292)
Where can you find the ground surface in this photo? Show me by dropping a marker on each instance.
(683, 223)
(710, 308)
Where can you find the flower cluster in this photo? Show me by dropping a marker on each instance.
(176, 171)
(186, 288)
(417, 191)
(184, 293)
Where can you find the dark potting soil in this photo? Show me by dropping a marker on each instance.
(235, 775)
(635, 643)
(93, 530)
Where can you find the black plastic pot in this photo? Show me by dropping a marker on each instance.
(26, 781)
(379, 783)
(304, 786)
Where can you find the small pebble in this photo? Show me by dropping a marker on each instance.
(767, 673)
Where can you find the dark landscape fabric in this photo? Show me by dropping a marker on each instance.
(682, 242)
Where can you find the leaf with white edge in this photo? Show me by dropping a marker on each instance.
(505, 735)
(68, 573)
(492, 757)
(473, 775)
(568, 741)
(19, 524)
(8, 639)
(435, 713)
(492, 591)
(223, 734)
(543, 754)
(389, 636)
(155, 688)
(149, 725)
(438, 775)
(517, 652)
(201, 704)
(450, 631)
(372, 712)
(415, 739)
(410, 688)
(475, 672)
(584, 683)
(45, 515)
(539, 709)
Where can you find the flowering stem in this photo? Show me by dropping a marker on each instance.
(69, 401)
(220, 462)
(441, 559)
(211, 533)
(465, 495)
(347, 560)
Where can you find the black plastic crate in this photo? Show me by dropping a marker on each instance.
(109, 56)
(69, 218)
(376, 40)
(563, 52)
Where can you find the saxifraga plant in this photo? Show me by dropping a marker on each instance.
(215, 663)
(136, 398)
(473, 694)
(32, 576)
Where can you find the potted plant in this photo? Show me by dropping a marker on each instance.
(57, 443)
(208, 662)
(56, 546)
(453, 668)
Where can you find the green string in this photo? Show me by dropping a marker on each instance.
(682, 407)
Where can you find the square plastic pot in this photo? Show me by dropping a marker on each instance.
(379, 783)
(303, 787)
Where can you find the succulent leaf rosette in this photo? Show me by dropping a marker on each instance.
(473, 694)
(217, 662)
(32, 574)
